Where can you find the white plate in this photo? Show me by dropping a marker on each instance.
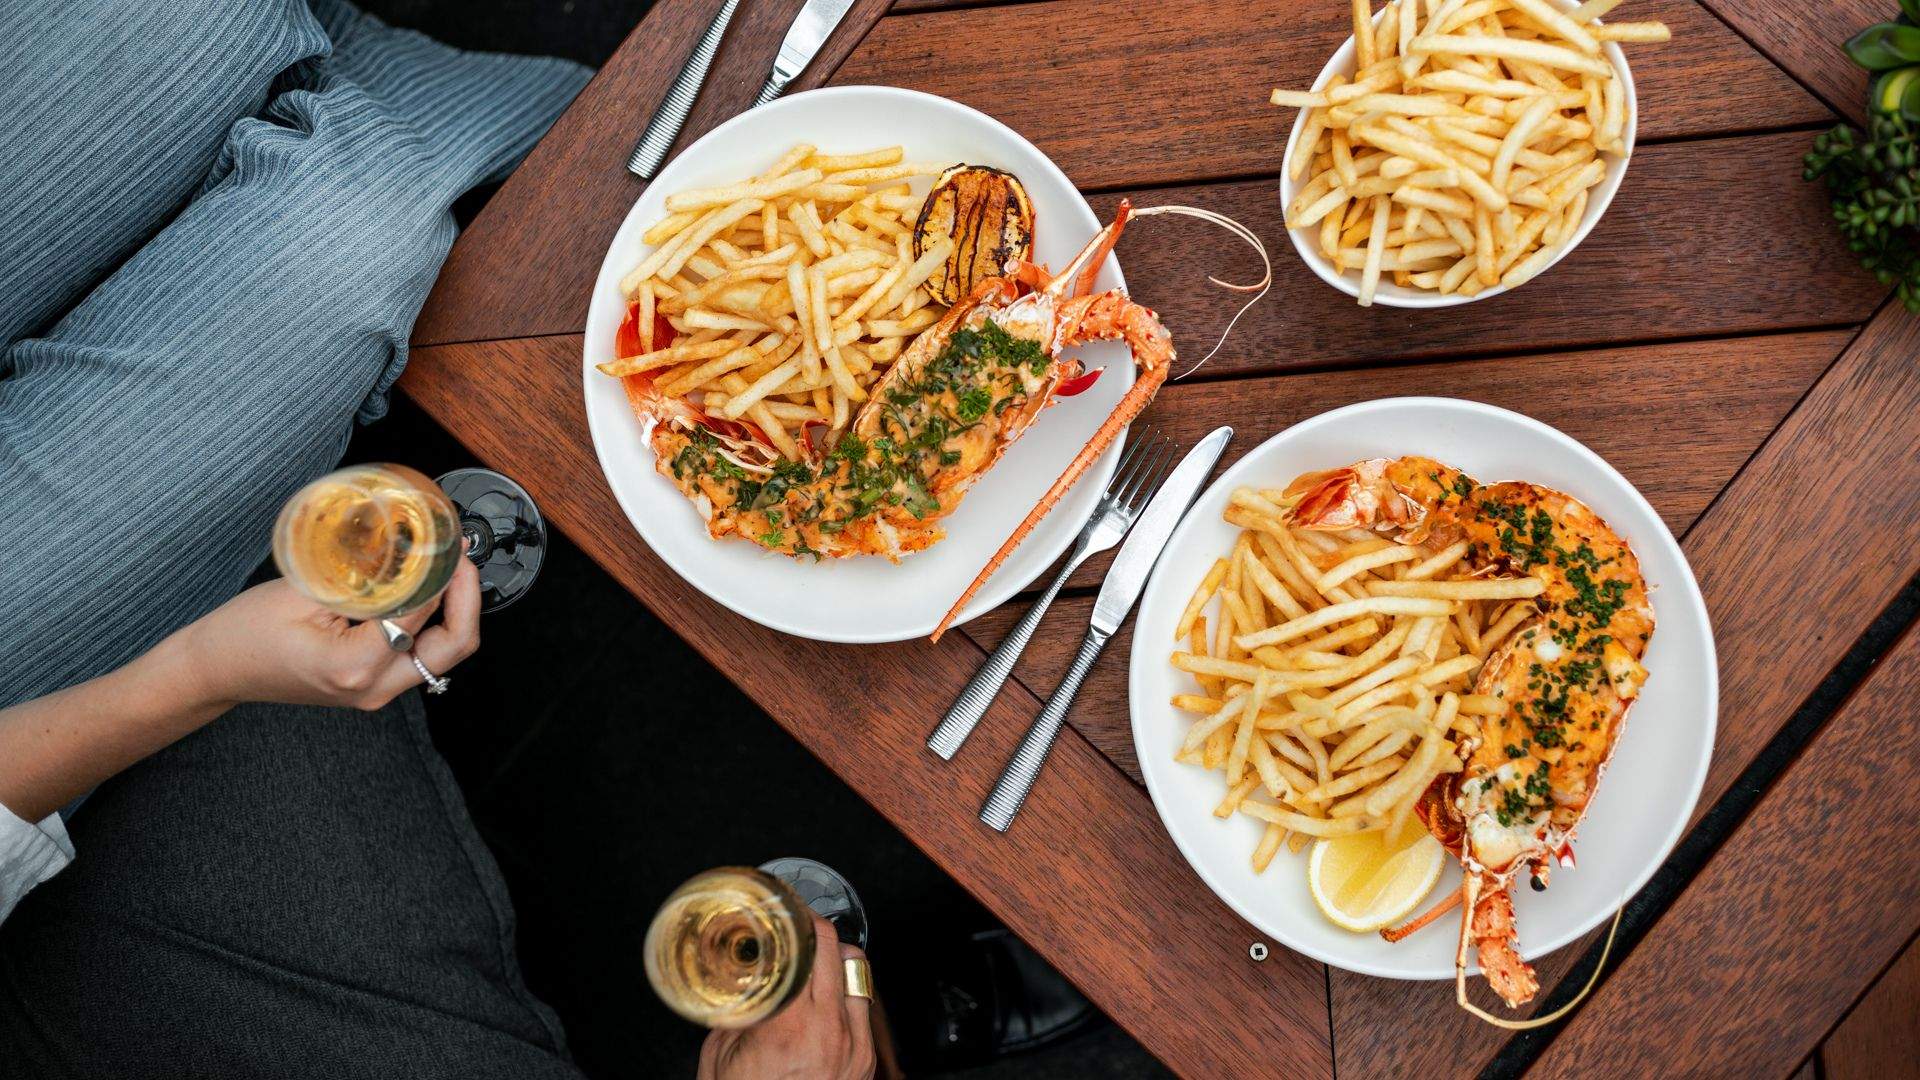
(1649, 789)
(862, 599)
(1307, 241)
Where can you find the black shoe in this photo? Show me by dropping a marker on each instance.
(995, 998)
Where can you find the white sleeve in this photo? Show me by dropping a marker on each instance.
(29, 855)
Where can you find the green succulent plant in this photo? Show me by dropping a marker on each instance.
(1873, 178)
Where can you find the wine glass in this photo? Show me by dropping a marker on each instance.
(377, 541)
(732, 946)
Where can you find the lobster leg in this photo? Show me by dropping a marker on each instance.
(1130, 406)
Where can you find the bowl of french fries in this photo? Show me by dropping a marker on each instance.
(1452, 150)
(1292, 691)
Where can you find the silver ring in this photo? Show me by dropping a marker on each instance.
(436, 684)
(397, 637)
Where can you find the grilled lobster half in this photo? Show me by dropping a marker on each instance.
(1567, 676)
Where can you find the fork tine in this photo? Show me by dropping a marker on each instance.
(1132, 465)
(1129, 465)
(1154, 459)
(1160, 470)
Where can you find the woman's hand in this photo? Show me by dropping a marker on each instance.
(272, 644)
(821, 1035)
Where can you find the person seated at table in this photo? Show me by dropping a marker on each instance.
(325, 910)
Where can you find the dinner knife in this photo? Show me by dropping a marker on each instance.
(1125, 578)
(809, 31)
(667, 121)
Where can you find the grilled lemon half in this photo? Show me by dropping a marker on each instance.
(987, 213)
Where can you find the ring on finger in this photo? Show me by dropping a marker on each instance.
(398, 639)
(436, 684)
(859, 977)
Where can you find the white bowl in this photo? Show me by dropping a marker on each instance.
(1642, 804)
(862, 599)
(1306, 241)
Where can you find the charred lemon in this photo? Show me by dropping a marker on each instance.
(988, 215)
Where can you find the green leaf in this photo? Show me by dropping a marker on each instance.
(1910, 9)
(1910, 96)
(1878, 48)
(1887, 88)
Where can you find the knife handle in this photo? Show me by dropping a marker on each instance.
(1010, 791)
(775, 84)
(665, 126)
(977, 697)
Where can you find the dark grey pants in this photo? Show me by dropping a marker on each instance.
(290, 892)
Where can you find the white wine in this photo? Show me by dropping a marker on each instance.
(369, 541)
(730, 947)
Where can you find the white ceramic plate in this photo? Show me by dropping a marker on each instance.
(862, 599)
(1658, 767)
(1307, 241)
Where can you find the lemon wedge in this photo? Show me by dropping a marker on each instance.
(1363, 883)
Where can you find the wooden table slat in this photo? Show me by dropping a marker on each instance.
(1819, 882)
(1804, 38)
(1112, 111)
(1881, 1036)
(1087, 876)
(1782, 559)
(526, 265)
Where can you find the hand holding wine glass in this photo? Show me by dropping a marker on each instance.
(270, 643)
(824, 1032)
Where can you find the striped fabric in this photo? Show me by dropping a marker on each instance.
(218, 219)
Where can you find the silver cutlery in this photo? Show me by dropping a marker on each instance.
(1125, 579)
(667, 121)
(1138, 476)
(809, 31)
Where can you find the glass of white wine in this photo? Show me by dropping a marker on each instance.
(730, 948)
(377, 541)
(369, 541)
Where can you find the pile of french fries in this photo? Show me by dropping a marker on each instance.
(1459, 153)
(790, 294)
(1336, 681)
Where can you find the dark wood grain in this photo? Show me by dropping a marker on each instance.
(1179, 93)
(526, 264)
(1716, 400)
(1804, 38)
(1881, 1036)
(1820, 880)
(1810, 542)
(1713, 237)
(1087, 876)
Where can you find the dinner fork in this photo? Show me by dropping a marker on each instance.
(1144, 465)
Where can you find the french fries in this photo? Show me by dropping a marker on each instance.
(789, 294)
(1339, 682)
(1458, 155)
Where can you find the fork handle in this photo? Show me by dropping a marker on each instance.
(977, 696)
(1010, 792)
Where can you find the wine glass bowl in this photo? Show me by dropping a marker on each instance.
(730, 947)
(368, 541)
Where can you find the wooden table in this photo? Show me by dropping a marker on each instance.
(1712, 338)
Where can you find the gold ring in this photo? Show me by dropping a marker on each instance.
(859, 977)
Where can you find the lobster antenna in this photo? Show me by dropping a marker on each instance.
(1258, 288)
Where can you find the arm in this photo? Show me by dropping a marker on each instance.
(267, 644)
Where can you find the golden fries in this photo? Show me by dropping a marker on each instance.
(1339, 682)
(790, 294)
(1458, 154)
